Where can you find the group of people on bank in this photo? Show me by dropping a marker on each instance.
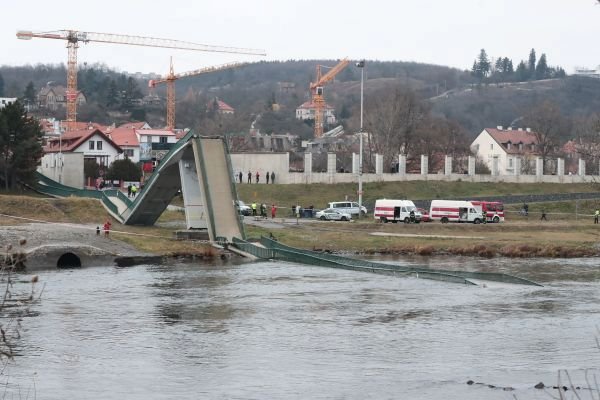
(269, 176)
(263, 210)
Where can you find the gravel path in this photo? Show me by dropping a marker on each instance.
(63, 234)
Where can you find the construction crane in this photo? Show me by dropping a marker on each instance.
(73, 39)
(172, 77)
(316, 90)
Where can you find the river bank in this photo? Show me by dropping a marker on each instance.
(74, 221)
(516, 238)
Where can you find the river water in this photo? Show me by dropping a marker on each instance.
(286, 331)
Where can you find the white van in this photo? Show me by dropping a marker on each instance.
(455, 211)
(349, 207)
(396, 210)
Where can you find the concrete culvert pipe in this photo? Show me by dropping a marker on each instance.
(68, 260)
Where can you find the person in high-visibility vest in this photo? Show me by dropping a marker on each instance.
(254, 209)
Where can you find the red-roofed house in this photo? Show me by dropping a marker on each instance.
(307, 111)
(135, 125)
(221, 107)
(64, 156)
(506, 145)
(94, 145)
(127, 139)
(143, 144)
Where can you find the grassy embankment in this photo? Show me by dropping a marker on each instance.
(90, 213)
(565, 234)
(562, 235)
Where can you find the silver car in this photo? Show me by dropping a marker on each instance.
(329, 214)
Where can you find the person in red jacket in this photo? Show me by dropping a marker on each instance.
(273, 210)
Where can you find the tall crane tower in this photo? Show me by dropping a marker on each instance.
(73, 39)
(172, 77)
(316, 90)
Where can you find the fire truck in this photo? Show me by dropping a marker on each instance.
(494, 210)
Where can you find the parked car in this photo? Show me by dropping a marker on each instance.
(242, 208)
(349, 207)
(424, 215)
(329, 214)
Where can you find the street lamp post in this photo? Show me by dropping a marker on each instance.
(361, 65)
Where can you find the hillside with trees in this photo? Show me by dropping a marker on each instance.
(496, 91)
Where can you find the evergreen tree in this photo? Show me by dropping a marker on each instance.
(483, 64)
(531, 65)
(522, 73)
(475, 69)
(1, 86)
(509, 67)
(91, 169)
(113, 98)
(29, 94)
(541, 70)
(20, 145)
(498, 66)
(125, 170)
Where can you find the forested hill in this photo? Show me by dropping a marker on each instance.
(254, 88)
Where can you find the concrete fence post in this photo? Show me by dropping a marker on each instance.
(539, 166)
(495, 166)
(355, 163)
(581, 169)
(560, 167)
(424, 164)
(307, 166)
(331, 163)
(518, 164)
(448, 165)
(378, 164)
(402, 164)
(471, 168)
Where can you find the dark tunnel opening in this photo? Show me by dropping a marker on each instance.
(68, 260)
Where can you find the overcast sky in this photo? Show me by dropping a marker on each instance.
(430, 31)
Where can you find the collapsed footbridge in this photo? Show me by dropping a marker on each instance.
(199, 166)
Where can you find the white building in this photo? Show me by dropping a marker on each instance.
(504, 149)
(307, 111)
(592, 73)
(4, 101)
(94, 145)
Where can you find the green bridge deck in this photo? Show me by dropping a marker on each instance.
(272, 249)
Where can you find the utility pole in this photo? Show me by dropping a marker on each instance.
(361, 65)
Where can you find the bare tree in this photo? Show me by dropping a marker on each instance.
(393, 118)
(547, 124)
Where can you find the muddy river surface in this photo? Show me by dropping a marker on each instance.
(286, 331)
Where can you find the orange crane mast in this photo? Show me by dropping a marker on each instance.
(74, 37)
(316, 90)
(172, 77)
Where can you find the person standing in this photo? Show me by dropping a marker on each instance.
(134, 190)
(253, 209)
(273, 211)
(129, 190)
(267, 175)
(543, 215)
(249, 177)
(263, 210)
(272, 177)
(240, 176)
(106, 228)
(596, 215)
(257, 176)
